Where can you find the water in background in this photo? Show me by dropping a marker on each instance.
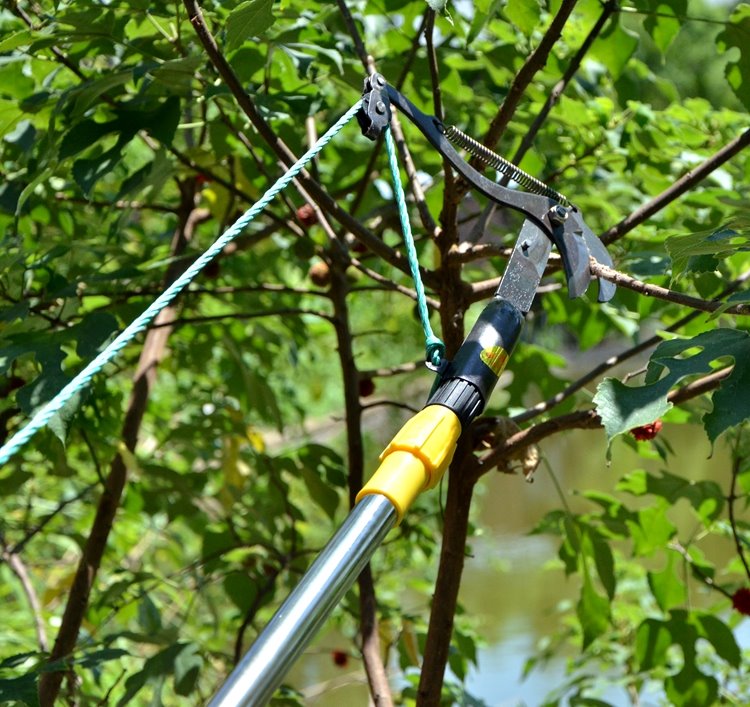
(505, 584)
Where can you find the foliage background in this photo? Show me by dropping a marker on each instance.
(171, 511)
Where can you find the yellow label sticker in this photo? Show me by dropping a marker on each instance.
(495, 357)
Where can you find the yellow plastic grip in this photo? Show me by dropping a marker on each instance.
(416, 458)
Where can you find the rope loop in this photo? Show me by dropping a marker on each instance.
(434, 351)
(434, 347)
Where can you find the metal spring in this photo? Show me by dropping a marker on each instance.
(457, 137)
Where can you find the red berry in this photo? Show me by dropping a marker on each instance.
(741, 600)
(306, 214)
(366, 387)
(201, 179)
(340, 658)
(359, 248)
(646, 432)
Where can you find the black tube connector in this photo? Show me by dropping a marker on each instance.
(468, 381)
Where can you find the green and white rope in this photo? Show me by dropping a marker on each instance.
(83, 378)
(434, 347)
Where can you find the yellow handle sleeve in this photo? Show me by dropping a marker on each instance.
(416, 458)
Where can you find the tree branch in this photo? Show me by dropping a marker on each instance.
(608, 8)
(17, 566)
(244, 101)
(736, 468)
(144, 379)
(649, 290)
(586, 419)
(452, 554)
(534, 63)
(682, 185)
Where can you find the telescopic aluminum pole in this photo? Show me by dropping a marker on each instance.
(256, 677)
(414, 461)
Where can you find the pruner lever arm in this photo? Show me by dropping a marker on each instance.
(562, 223)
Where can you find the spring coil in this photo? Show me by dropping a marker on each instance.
(457, 137)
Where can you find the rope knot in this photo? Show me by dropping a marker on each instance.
(434, 350)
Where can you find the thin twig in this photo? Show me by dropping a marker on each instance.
(649, 290)
(243, 316)
(708, 581)
(682, 185)
(736, 467)
(33, 532)
(17, 566)
(586, 419)
(534, 63)
(392, 370)
(608, 8)
(617, 359)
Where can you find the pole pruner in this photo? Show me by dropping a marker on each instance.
(419, 454)
(422, 450)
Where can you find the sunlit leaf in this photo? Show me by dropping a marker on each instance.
(622, 407)
(248, 19)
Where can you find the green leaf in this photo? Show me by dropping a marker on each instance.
(154, 670)
(14, 40)
(23, 690)
(720, 636)
(614, 47)
(322, 473)
(652, 640)
(187, 667)
(652, 531)
(593, 612)
(621, 407)
(524, 14)
(706, 497)
(736, 35)
(605, 563)
(691, 687)
(688, 252)
(241, 589)
(248, 19)
(10, 114)
(149, 617)
(668, 589)
(663, 20)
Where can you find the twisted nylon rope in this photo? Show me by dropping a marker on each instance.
(434, 347)
(48, 411)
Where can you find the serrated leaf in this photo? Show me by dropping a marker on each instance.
(736, 34)
(688, 252)
(652, 531)
(248, 19)
(622, 407)
(21, 690)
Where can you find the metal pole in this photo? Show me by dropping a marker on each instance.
(256, 677)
